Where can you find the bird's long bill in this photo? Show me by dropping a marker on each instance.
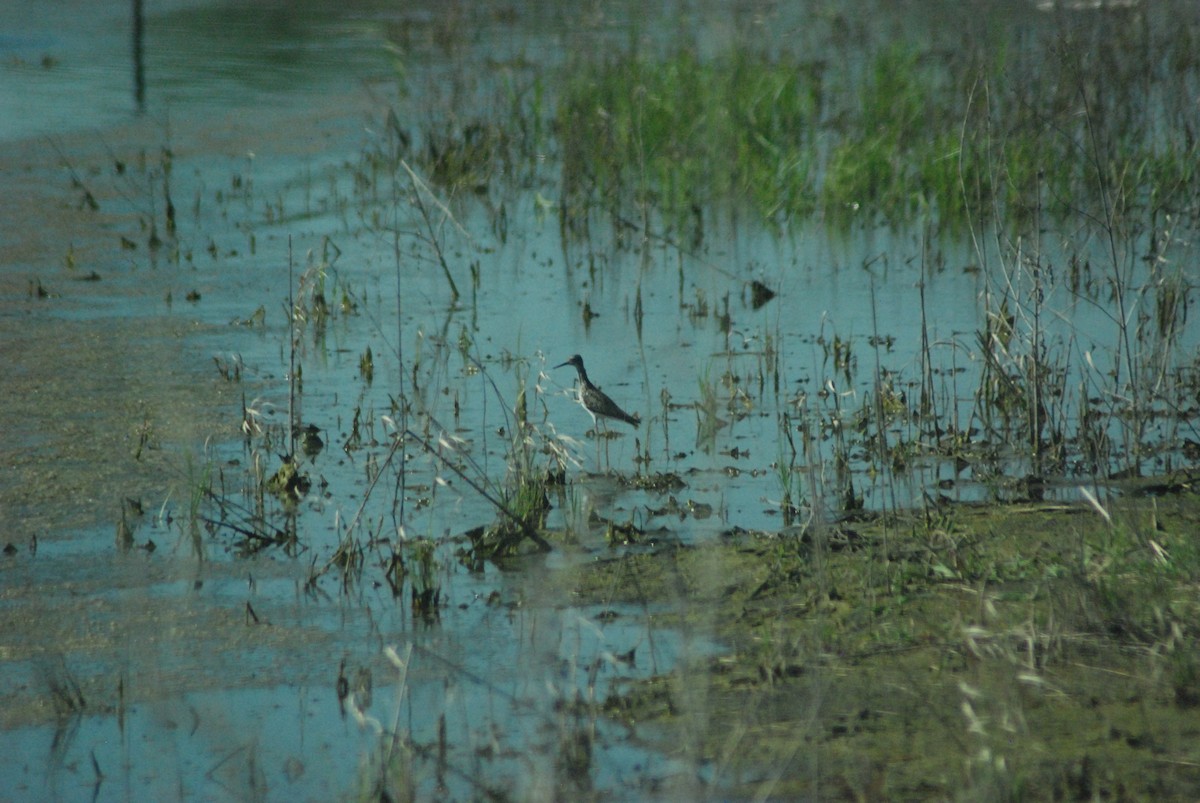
(561, 364)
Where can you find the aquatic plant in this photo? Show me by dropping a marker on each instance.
(707, 406)
(426, 590)
(521, 500)
(788, 472)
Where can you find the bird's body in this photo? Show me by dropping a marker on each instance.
(594, 400)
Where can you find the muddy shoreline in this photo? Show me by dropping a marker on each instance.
(1001, 649)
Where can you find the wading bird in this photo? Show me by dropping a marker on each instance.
(594, 400)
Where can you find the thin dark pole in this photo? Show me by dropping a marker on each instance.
(139, 67)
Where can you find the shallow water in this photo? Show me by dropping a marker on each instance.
(208, 674)
(219, 680)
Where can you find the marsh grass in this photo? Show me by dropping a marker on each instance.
(965, 135)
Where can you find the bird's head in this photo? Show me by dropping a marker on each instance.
(576, 362)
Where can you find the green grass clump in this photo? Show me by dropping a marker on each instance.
(682, 132)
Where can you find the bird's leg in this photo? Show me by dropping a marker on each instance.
(595, 433)
(607, 465)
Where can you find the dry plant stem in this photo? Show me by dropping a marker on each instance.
(817, 515)
(366, 496)
(402, 665)
(529, 531)
(880, 422)
(1038, 417)
(398, 503)
(928, 405)
(292, 426)
(1109, 224)
(419, 190)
